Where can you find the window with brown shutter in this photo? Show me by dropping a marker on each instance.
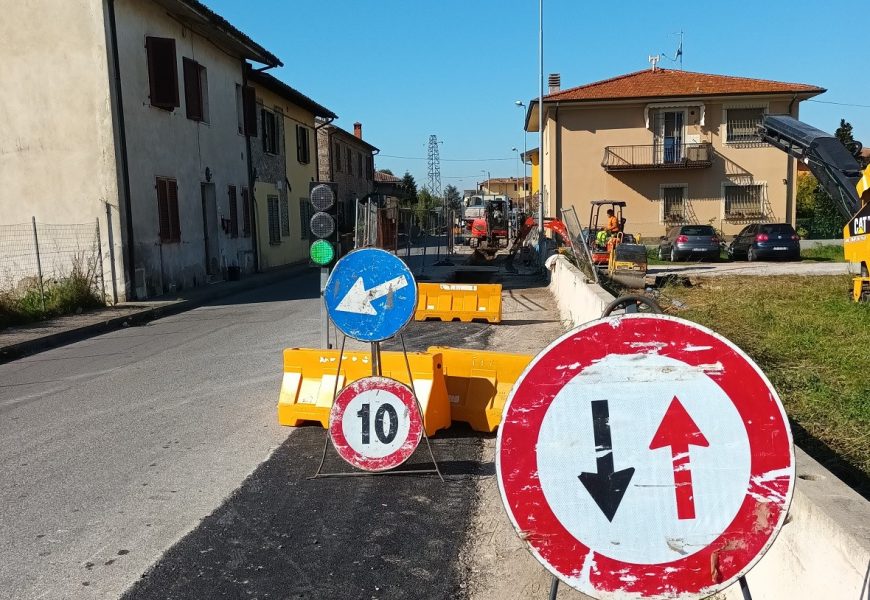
(270, 131)
(359, 169)
(249, 102)
(234, 212)
(195, 90)
(162, 72)
(370, 168)
(246, 213)
(349, 155)
(336, 157)
(303, 151)
(167, 210)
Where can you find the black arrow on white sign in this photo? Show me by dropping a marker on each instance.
(607, 487)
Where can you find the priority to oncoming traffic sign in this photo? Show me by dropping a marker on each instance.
(375, 424)
(370, 295)
(645, 455)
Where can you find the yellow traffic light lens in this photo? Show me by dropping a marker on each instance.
(321, 252)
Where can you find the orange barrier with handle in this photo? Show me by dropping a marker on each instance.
(459, 301)
(310, 379)
(479, 382)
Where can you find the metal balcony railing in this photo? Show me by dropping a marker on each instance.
(665, 155)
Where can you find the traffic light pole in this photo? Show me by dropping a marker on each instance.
(324, 317)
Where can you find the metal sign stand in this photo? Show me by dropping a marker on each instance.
(376, 371)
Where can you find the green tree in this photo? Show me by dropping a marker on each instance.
(425, 202)
(452, 197)
(408, 190)
(807, 186)
(844, 133)
(387, 171)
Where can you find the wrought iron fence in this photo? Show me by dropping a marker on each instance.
(664, 155)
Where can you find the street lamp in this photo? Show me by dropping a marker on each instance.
(519, 104)
(519, 185)
(488, 178)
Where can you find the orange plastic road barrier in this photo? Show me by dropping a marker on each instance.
(479, 382)
(310, 374)
(463, 301)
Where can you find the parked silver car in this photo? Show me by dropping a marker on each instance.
(684, 241)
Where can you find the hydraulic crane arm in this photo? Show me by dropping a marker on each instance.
(832, 164)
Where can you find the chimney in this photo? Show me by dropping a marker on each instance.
(357, 129)
(555, 82)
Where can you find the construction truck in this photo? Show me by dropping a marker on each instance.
(840, 175)
(491, 230)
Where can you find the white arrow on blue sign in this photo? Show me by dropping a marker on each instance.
(370, 295)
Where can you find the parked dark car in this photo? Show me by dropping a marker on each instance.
(698, 241)
(766, 240)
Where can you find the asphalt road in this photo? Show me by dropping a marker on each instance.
(114, 449)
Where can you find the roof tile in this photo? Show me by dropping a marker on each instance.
(669, 83)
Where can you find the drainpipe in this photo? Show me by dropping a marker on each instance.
(252, 203)
(122, 141)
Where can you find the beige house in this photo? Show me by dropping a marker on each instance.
(678, 147)
(515, 188)
(131, 112)
(284, 155)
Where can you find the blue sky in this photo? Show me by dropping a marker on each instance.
(407, 69)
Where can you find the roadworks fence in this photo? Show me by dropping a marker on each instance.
(43, 265)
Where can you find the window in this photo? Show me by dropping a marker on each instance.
(673, 203)
(270, 131)
(285, 217)
(246, 213)
(370, 169)
(195, 90)
(274, 220)
(303, 150)
(359, 169)
(249, 107)
(167, 211)
(742, 124)
(336, 157)
(162, 72)
(234, 211)
(240, 109)
(304, 217)
(743, 201)
(349, 156)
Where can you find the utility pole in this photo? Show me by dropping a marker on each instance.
(541, 126)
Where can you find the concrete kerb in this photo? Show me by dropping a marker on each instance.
(149, 312)
(823, 551)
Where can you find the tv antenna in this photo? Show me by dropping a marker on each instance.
(678, 55)
(654, 60)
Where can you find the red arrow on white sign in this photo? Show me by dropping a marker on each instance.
(679, 431)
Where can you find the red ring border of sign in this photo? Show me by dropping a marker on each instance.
(339, 441)
(558, 550)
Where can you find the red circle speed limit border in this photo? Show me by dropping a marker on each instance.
(375, 424)
(645, 455)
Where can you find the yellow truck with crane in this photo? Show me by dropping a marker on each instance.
(839, 173)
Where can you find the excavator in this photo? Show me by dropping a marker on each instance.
(839, 173)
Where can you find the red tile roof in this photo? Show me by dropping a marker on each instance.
(669, 83)
(382, 177)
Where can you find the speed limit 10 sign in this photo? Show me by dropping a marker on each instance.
(374, 423)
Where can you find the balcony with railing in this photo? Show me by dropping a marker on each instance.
(664, 155)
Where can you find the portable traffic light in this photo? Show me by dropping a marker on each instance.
(322, 227)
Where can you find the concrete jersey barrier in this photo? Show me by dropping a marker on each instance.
(823, 551)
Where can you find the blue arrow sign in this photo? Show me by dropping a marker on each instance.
(370, 295)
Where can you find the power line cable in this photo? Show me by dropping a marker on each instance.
(445, 159)
(840, 103)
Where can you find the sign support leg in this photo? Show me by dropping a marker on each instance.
(554, 588)
(419, 408)
(324, 316)
(744, 587)
(334, 394)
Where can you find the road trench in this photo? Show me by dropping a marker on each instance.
(281, 535)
